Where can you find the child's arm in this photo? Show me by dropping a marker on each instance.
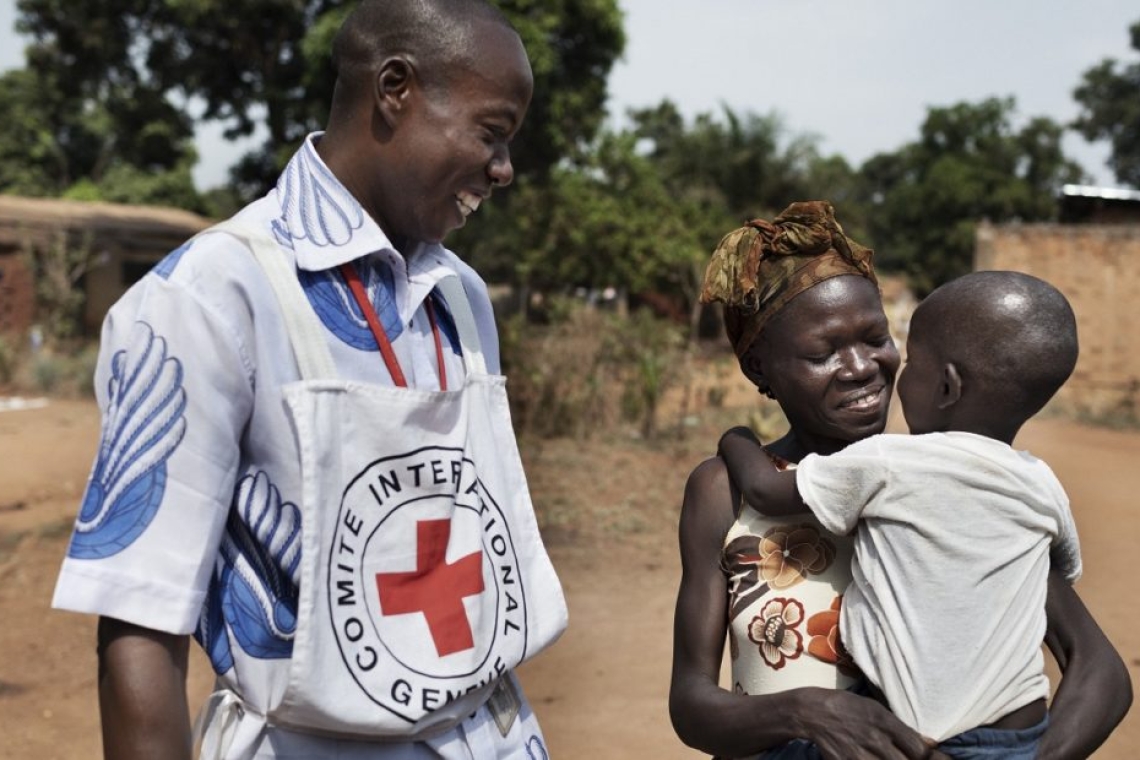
(768, 490)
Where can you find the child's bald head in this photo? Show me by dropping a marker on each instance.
(1011, 335)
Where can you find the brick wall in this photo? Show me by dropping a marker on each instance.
(17, 303)
(1097, 267)
(126, 239)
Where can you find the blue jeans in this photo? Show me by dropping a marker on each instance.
(991, 743)
(975, 744)
(797, 749)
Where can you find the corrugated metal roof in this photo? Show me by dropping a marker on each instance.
(1107, 193)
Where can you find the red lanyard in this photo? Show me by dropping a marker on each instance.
(348, 271)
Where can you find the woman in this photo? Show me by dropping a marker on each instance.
(803, 312)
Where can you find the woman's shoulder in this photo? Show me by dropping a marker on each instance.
(709, 475)
(709, 489)
(708, 507)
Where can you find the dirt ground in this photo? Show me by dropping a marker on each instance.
(608, 511)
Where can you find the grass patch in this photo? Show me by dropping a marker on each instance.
(9, 541)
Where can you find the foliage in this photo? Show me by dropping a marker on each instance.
(7, 361)
(58, 271)
(1110, 103)
(555, 384)
(611, 222)
(32, 160)
(970, 163)
(119, 79)
(67, 374)
(106, 106)
(86, 113)
(572, 45)
(126, 183)
(651, 352)
(722, 169)
(642, 208)
(588, 371)
(745, 164)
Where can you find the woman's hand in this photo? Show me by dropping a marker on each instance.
(846, 726)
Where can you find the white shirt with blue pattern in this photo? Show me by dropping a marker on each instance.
(190, 522)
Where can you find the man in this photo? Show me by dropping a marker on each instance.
(306, 459)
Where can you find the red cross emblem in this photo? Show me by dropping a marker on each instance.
(436, 588)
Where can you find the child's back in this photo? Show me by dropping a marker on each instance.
(946, 612)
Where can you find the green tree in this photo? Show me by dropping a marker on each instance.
(266, 63)
(33, 160)
(746, 163)
(572, 45)
(641, 210)
(92, 123)
(1110, 110)
(610, 221)
(970, 163)
(740, 166)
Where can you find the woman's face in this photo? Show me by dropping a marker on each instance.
(829, 360)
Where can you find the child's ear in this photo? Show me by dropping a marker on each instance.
(949, 387)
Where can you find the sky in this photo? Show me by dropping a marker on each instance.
(858, 74)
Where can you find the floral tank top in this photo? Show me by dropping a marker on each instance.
(786, 578)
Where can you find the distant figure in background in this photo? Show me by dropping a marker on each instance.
(307, 460)
(951, 523)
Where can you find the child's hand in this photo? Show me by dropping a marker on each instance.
(740, 431)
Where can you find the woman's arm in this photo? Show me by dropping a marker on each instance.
(714, 720)
(142, 692)
(1095, 691)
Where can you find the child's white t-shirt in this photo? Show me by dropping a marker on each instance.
(956, 534)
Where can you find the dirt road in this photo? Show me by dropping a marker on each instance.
(609, 514)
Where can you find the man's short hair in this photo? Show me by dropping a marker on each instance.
(436, 35)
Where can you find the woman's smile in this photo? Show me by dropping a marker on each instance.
(867, 399)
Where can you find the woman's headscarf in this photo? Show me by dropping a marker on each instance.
(757, 269)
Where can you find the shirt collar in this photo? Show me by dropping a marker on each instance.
(326, 226)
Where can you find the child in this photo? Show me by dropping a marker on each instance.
(946, 612)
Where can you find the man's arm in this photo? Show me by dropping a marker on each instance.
(142, 692)
(767, 489)
(1095, 691)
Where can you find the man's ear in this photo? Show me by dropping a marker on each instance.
(950, 386)
(393, 85)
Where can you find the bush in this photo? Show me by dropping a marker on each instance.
(554, 373)
(649, 356)
(7, 361)
(47, 372)
(588, 371)
(53, 373)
